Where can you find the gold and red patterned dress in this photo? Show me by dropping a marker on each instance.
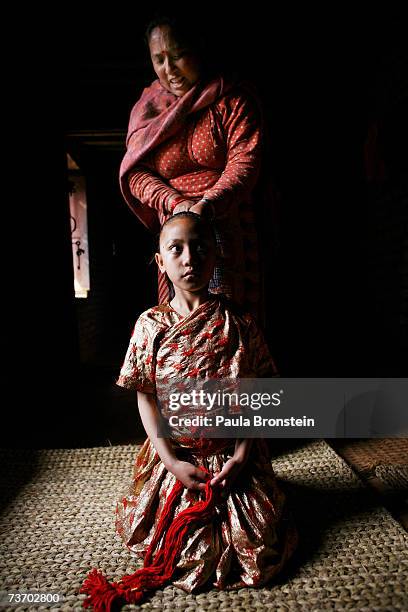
(252, 535)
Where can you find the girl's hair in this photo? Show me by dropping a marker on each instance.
(201, 221)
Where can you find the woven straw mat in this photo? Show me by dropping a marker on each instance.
(58, 523)
(384, 458)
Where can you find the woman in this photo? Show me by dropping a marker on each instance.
(194, 143)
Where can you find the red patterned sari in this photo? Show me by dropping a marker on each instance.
(251, 536)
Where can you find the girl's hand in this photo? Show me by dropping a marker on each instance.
(192, 477)
(228, 474)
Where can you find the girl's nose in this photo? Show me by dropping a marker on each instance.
(188, 256)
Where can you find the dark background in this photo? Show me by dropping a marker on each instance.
(338, 284)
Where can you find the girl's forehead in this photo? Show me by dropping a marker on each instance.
(183, 228)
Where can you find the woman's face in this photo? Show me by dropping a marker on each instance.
(175, 65)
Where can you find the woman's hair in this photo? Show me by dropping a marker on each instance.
(187, 32)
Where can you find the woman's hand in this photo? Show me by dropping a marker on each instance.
(192, 477)
(183, 206)
(200, 208)
(203, 208)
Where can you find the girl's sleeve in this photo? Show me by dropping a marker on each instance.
(261, 360)
(137, 371)
(147, 187)
(241, 124)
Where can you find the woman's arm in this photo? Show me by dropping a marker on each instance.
(152, 191)
(241, 125)
(193, 478)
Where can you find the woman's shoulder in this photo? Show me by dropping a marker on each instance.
(235, 94)
(153, 100)
(155, 88)
(238, 96)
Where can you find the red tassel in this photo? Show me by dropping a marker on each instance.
(101, 594)
(155, 572)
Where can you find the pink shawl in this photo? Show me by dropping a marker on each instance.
(155, 117)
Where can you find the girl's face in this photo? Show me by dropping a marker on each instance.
(177, 68)
(187, 254)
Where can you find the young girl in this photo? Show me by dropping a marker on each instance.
(186, 508)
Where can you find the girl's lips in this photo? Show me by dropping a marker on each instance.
(192, 274)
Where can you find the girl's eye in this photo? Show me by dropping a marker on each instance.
(175, 248)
